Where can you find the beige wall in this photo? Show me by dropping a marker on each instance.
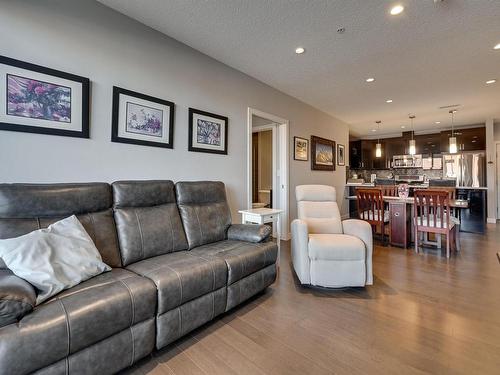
(265, 159)
(88, 39)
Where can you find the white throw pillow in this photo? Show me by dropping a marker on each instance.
(55, 258)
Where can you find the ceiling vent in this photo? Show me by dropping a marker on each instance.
(450, 106)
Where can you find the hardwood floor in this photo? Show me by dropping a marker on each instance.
(424, 314)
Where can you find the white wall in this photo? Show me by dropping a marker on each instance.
(88, 39)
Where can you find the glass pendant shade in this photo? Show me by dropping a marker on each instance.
(412, 150)
(453, 145)
(378, 150)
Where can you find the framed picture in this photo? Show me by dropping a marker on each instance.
(142, 119)
(207, 132)
(301, 149)
(36, 99)
(340, 154)
(322, 154)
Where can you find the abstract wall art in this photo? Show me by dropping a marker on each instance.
(207, 132)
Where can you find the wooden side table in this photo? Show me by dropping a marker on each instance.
(264, 216)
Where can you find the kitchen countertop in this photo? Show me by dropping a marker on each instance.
(368, 184)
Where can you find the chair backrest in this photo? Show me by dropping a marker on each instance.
(432, 210)
(370, 205)
(451, 191)
(317, 205)
(388, 190)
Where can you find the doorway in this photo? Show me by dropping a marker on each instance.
(267, 165)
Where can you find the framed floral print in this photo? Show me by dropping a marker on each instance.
(37, 99)
(142, 119)
(300, 149)
(207, 132)
(322, 154)
(340, 154)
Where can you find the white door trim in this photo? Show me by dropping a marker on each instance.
(282, 167)
(497, 180)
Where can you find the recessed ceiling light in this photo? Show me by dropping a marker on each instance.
(370, 79)
(397, 9)
(489, 82)
(388, 101)
(402, 126)
(438, 122)
(497, 46)
(374, 130)
(300, 50)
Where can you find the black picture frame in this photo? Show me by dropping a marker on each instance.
(315, 141)
(85, 94)
(191, 147)
(295, 156)
(340, 160)
(115, 119)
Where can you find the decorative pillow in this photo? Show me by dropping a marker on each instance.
(53, 259)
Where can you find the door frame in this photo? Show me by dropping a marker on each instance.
(497, 178)
(280, 160)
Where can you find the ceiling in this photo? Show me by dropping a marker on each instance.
(431, 55)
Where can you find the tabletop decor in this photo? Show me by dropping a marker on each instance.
(36, 99)
(300, 149)
(207, 132)
(142, 119)
(403, 190)
(322, 154)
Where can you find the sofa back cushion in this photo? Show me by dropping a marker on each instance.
(147, 219)
(204, 211)
(28, 207)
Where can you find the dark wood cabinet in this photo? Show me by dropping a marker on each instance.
(428, 144)
(473, 139)
(400, 233)
(394, 146)
(355, 154)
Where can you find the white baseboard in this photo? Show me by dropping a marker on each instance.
(491, 220)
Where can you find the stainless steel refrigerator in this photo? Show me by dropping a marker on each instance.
(468, 168)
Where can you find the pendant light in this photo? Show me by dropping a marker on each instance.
(412, 148)
(378, 146)
(453, 139)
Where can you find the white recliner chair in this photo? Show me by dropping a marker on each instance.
(327, 251)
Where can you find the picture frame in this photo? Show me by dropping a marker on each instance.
(300, 149)
(37, 99)
(322, 154)
(208, 132)
(340, 154)
(142, 119)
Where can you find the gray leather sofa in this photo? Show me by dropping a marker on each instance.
(177, 260)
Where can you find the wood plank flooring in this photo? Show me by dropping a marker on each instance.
(424, 314)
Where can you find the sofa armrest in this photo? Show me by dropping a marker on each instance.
(300, 250)
(249, 232)
(17, 297)
(362, 230)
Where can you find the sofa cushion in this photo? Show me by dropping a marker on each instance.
(147, 219)
(204, 211)
(17, 297)
(336, 247)
(181, 276)
(241, 258)
(76, 318)
(28, 207)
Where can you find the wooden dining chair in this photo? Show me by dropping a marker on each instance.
(371, 209)
(432, 215)
(388, 190)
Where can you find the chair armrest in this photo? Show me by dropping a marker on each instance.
(17, 297)
(362, 230)
(249, 232)
(300, 250)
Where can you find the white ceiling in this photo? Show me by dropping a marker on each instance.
(432, 55)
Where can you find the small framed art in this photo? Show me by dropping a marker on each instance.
(142, 119)
(340, 154)
(322, 154)
(36, 99)
(300, 149)
(207, 132)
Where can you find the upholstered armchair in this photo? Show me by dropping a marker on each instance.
(327, 251)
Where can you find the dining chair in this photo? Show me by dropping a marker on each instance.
(388, 190)
(371, 208)
(432, 215)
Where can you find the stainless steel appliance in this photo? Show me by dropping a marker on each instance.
(410, 178)
(469, 168)
(407, 161)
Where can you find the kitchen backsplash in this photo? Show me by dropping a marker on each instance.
(390, 173)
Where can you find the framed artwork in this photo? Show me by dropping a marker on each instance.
(322, 154)
(301, 149)
(340, 154)
(207, 132)
(36, 99)
(141, 119)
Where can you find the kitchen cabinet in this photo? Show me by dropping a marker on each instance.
(362, 155)
(473, 139)
(355, 154)
(428, 144)
(394, 146)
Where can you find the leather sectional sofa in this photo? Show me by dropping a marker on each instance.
(177, 261)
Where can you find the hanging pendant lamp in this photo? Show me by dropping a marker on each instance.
(378, 146)
(453, 139)
(412, 148)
